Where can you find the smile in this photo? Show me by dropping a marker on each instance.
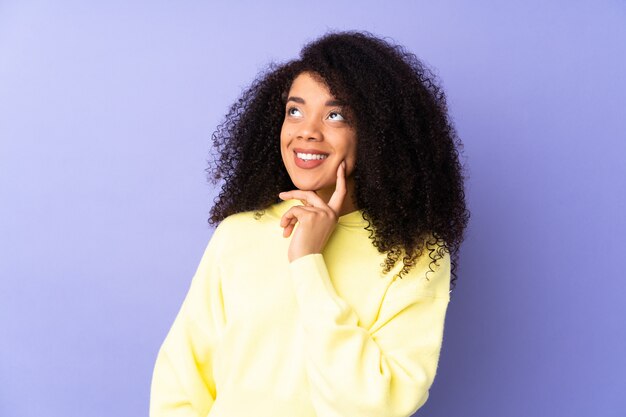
(310, 156)
(309, 160)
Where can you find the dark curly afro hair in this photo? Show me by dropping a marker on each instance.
(408, 178)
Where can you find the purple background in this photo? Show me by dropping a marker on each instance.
(106, 112)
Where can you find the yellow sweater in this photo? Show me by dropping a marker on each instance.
(326, 335)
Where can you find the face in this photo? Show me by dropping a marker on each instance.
(316, 136)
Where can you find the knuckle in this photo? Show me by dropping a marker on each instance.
(329, 214)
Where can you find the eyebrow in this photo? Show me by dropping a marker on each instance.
(328, 103)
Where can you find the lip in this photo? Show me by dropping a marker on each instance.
(300, 163)
(311, 151)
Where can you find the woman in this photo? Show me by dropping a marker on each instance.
(350, 153)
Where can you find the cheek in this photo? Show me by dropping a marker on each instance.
(284, 142)
(352, 149)
(352, 156)
(284, 136)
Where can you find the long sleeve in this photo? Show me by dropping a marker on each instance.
(182, 381)
(386, 369)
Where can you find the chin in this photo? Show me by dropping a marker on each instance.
(308, 186)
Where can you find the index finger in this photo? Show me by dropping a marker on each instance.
(305, 196)
(336, 200)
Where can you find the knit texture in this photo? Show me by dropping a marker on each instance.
(327, 335)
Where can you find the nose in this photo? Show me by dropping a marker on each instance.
(309, 130)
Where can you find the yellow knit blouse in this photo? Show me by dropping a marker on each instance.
(326, 335)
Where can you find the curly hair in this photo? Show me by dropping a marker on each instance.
(408, 178)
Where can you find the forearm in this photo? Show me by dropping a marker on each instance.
(383, 371)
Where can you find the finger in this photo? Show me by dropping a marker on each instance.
(291, 223)
(287, 230)
(287, 218)
(292, 215)
(310, 197)
(336, 200)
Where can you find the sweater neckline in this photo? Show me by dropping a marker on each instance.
(352, 219)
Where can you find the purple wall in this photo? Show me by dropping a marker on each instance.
(106, 113)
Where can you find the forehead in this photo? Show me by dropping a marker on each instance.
(307, 82)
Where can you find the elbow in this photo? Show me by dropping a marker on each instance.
(399, 395)
(406, 400)
(404, 393)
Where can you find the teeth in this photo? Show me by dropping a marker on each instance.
(310, 156)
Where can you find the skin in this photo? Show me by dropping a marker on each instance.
(312, 120)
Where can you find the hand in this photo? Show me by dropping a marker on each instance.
(316, 219)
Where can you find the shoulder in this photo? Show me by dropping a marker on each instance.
(429, 276)
(240, 230)
(247, 221)
(236, 222)
(436, 264)
(234, 225)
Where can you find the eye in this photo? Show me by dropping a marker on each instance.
(291, 109)
(337, 114)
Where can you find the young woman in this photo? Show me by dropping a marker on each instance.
(324, 288)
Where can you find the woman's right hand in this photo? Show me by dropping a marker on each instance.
(316, 218)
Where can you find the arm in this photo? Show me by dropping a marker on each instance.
(385, 370)
(182, 382)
